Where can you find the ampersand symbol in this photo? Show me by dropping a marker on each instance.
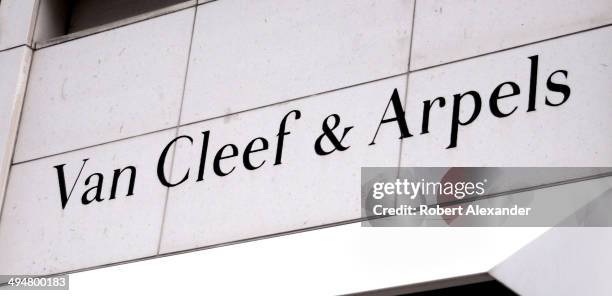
(329, 133)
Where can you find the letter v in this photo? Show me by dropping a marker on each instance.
(61, 179)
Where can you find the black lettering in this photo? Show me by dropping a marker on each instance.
(557, 87)
(220, 156)
(203, 156)
(495, 97)
(399, 117)
(427, 109)
(98, 189)
(162, 161)
(61, 179)
(533, 82)
(249, 149)
(116, 174)
(281, 135)
(456, 122)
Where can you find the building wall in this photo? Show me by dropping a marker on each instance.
(16, 26)
(236, 69)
